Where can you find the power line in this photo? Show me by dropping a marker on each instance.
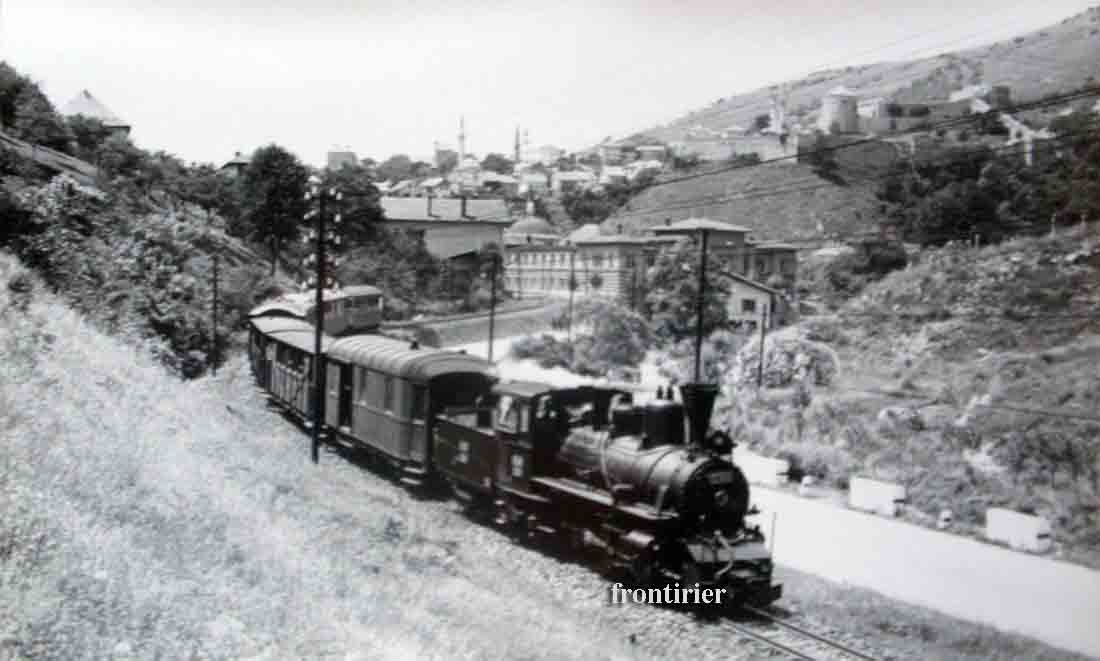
(814, 184)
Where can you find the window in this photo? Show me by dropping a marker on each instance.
(419, 403)
(387, 396)
(362, 386)
(517, 465)
(762, 265)
(748, 306)
(512, 414)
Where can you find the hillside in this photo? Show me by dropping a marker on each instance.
(970, 378)
(1053, 59)
(818, 207)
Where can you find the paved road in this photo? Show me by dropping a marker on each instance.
(1055, 602)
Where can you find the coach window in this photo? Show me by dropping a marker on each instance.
(362, 386)
(419, 403)
(387, 401)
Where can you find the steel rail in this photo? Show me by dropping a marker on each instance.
(809, 634)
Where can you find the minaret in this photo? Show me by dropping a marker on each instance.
(461, 140)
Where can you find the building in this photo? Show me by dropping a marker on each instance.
(235, 166)
(338, 159)
(613, 266)
(749, 302)
(494, 183)
(549, 154)
(610, 267)
(534, 182)
(613, 174)
(839, 111)
(454, 229)
(87, 105)
(652, 153)
(571, 182)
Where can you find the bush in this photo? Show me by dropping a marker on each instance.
(546, 350)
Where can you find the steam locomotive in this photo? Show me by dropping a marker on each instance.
(644, 487)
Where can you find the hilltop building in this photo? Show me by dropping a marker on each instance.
(235, 166)
(87, 105)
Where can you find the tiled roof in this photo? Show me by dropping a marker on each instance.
(444, 209)
(697, 224)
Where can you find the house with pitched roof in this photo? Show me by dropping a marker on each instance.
(454, 229)
(87, 105)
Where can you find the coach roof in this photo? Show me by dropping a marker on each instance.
(399, 358)
(288, 330)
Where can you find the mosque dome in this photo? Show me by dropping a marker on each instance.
(532, 225)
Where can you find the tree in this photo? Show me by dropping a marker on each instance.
(361, 210)
(36, 121)
(395, 168)
(89, 134)
(671, 287)
(273, 190)
(498, 163)
(206, 188)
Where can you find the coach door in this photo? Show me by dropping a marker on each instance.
(346, 382)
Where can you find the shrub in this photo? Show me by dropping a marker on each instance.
(546, 350)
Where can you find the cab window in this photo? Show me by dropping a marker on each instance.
(512, 414)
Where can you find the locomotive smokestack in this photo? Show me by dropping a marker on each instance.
(699, 405)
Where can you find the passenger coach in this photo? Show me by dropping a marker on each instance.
(384, 394)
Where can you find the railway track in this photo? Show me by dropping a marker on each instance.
(795, 641)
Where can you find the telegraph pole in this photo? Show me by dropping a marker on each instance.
(699, 306)
(319, 281)
(572, 288)
(492, 302)
(763, 333)
(214, 320)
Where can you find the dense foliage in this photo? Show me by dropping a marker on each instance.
(672, 284)
(994, 194)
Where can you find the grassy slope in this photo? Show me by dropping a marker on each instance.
(962, 455)
(828, 208)
(1055, 58)
(144, 517)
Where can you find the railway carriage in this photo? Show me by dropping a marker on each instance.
(384, 394)
(281, 354)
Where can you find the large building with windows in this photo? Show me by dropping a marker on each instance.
(613, 266)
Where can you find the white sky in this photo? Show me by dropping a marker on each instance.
(202, 78)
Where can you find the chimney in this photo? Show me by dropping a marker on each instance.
(668, 221)
(462, 214)
(430, 215)
(620, 228)
(699, 406)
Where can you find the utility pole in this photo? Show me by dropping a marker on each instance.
(572, 288)
(763, 334)
(699, 306)
(319, 281)
(214, 321)
(492, 302)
